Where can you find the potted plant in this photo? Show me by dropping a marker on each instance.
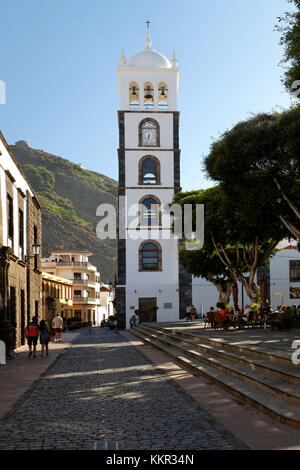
(112, 322)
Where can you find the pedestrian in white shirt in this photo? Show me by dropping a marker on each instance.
(57, 324)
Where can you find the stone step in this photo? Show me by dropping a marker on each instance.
(276, 387)
(255, 351)
(269, 404)
(289, 373)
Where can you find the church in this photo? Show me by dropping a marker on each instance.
(149, 275)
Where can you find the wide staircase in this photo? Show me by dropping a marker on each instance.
(264, 380)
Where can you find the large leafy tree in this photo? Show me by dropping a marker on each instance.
(262, 156)
(289, 27)
(242, 233)
(207, 264)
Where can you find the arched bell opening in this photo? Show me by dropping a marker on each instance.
(163, 96)
(148, 95)
(134, 95)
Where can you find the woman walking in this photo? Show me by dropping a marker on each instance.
(44, 337)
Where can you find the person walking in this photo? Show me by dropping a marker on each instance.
(32, 335)
(193, 312)
(44, 337)
(57, 324)
(188, 313)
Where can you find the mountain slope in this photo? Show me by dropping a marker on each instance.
(69, 196)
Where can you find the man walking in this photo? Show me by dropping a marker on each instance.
(57, 325)
(32, 335)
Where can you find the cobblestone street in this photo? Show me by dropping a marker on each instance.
(103, 390)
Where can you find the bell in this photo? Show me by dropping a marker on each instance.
(163, 91)
(148, 93)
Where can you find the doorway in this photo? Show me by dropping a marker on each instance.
(23, 317)
(147, 309)
(13, 313)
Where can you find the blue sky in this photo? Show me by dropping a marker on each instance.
(59, 61)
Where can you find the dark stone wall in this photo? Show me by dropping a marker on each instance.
(176, 130)
(121, 307)
(185, 279)
(121, 118)
(122, 262)
(121, 155)
(185, 290)
(121, 291)
(176, 171)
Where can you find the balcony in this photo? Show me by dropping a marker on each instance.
(73, 263)
(86, 300)
(84, 282)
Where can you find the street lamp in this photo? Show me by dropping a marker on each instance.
(35, 250)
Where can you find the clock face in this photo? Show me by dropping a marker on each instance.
(149, 137)
(149, 134)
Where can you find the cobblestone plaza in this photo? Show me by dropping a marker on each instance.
(101, 392)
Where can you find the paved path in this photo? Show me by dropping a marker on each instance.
(102, 389)
(18, 374)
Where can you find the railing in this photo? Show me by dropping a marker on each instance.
(84, 282)
(91, 300)
(72, 263)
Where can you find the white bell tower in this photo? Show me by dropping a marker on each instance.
(149, 174)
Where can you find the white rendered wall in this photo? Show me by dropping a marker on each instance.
(132, 121)
(205, 295)
(155, 76)
(280, 278)
(165, 294)
(165, 158)
(7, 163)
(168, 275)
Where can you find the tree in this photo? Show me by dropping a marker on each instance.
(207, 264)
(289, 27)
(262, 153)
(242, 236)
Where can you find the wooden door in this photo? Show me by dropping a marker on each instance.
(146, 315)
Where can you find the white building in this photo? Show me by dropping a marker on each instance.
(284, 282)
(75, 266)
(285, 277)
(149, 175)
(106, 301)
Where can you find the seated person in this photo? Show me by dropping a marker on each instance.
(246, 314)
(210, 316)
(224, 313)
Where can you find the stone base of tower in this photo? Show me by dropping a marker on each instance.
(185, 291)
(121, 307)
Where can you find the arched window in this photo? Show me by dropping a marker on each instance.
(149, 170)
(148, 96)
(134, 95)
(163, 96)
(149, 211)
(149, 133)
(150, 256)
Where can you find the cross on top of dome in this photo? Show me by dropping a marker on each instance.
(148, 57)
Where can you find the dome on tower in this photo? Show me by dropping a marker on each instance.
(149, 58)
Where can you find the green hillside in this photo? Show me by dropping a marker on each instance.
(69, 196)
